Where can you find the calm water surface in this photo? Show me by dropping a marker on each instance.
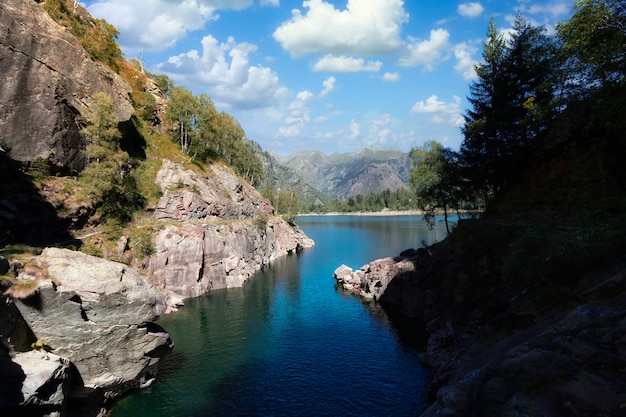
(289, 343)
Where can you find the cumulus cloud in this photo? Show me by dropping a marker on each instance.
(380, 133)
(330, 63)
(391, 76)
(298, 116)
(233, 84)
(441, 112)
(554, 9)
(158, 24)
(365, 27)
(465, 63)
(329, 85)
(470, 9)
(429, 52)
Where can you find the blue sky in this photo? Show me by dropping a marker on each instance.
(328, 75)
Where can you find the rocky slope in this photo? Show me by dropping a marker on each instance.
(96, 316)
(216, 231)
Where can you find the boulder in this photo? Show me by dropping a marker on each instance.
(34, 383)
(99, 314)
(372, 279)
(47, 83)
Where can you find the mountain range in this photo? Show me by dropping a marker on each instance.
(317, 177)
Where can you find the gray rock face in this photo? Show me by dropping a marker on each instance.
(99, 316)
(34, 383)
(218, 195)
(47, 80)
(225, 231)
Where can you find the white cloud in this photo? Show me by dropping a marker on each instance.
(470, 9)
(427, 53)
(442, 112)
(329, 85)
(332, 63)
(156, 25)
(355, 130)
(274, 3)
(465, 63)
(554, 9)
(365, 27)
(391, 76)
(380, 134)
(298, 116)
(232, 85)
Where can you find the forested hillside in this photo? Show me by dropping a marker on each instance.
(524, 307)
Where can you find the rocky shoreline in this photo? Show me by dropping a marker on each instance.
(497, 352)
(87, 333)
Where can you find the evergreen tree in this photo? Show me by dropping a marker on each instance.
(512, 106)
(483, 143)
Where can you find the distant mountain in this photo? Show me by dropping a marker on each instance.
(281, 177)
(341, 176)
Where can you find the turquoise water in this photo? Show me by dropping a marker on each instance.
(290, 343)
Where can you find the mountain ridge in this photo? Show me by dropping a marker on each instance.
(347, 175)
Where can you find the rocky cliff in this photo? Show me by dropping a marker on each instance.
(216, 231)
(47, 81)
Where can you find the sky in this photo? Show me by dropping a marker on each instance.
(334, 76)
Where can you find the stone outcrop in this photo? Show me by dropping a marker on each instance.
(34, 383)
(371, 280)
(99, 315)
(218, 231)
(47, 81)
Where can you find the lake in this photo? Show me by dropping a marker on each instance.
(291, 342)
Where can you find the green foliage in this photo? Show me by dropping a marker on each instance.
(39, 169)
(401, 199)
(40, 345)
(107, 177)
(285, 202)
(205, 135)
(435, 180)
(512, 106)
(97, 36)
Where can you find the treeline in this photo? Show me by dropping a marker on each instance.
(532, 87)
(204, 134)
(401, 199)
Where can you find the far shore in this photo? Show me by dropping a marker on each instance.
(384, 212)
